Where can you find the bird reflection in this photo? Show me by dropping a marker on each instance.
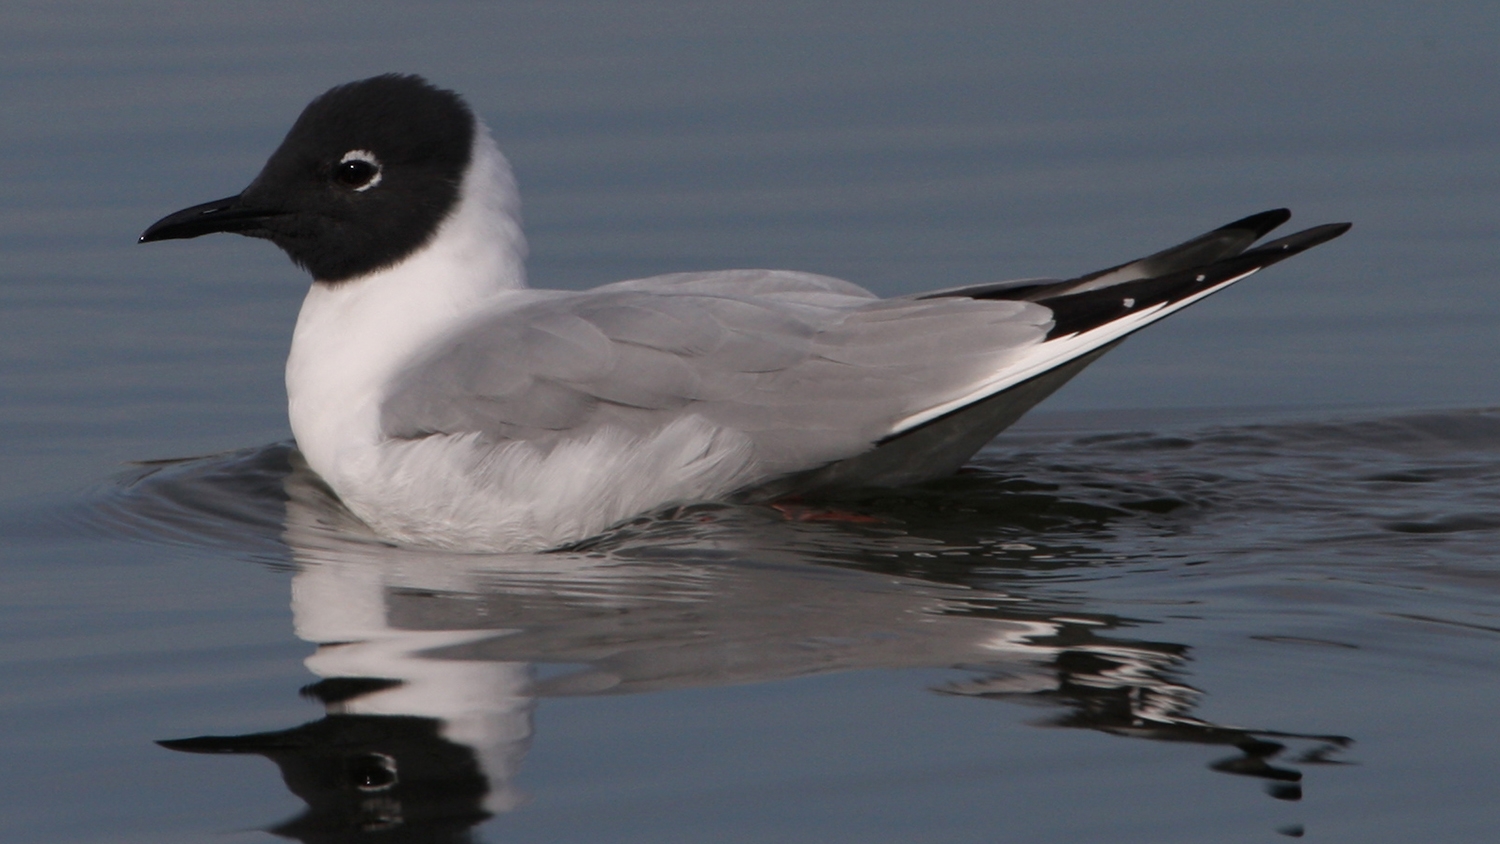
(430, 664)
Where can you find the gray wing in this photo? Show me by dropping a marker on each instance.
(810, 369)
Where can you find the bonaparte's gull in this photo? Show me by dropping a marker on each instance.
(447, 404)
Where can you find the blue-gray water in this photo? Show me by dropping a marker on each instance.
(1276, 613)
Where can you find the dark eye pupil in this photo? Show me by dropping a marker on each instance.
(354, 173)
(372, 772)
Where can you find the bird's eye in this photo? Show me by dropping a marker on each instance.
(372, 772)
(359, 169)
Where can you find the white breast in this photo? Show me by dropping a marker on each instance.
(353, 337)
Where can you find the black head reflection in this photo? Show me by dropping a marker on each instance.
(361, 775)
(707, 595)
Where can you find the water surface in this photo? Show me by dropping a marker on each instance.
(1273, 615)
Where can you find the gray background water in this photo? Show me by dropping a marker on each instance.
(901, 146)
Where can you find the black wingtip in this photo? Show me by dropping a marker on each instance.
(1077, 312)
(1261, 224)
(1303, 240)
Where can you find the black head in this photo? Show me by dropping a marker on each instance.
(387, 778)
(363, 179)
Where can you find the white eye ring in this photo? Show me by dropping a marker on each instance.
(369, 158)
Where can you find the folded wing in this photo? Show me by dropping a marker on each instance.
(829, 384)
(811, 370)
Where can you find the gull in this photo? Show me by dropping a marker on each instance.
(449, 405)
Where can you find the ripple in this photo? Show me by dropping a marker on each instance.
(1456, 523)
(1034, 507)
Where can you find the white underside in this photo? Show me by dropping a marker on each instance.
(455, 492)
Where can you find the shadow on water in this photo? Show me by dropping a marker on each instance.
(430, 664)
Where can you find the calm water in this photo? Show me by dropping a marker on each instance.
(1277, 614)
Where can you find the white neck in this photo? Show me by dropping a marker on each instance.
(353, 336)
